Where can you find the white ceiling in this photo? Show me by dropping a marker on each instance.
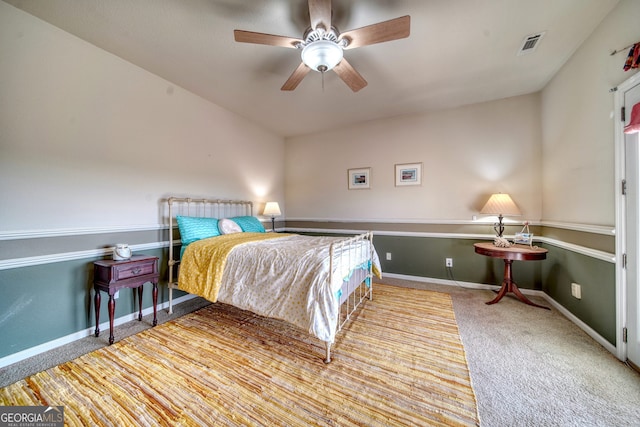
(459, 52)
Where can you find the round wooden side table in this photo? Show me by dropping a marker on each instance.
(510, 254)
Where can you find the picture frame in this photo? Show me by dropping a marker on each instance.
(359, 178)
(523, 239)
(408, 174)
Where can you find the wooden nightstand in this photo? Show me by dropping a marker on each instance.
(111, 276)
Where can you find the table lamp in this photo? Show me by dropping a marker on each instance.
(500, 204)
(272, 209)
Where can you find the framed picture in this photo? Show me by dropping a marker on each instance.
(408, 174)
(359, 178)
(523, 238)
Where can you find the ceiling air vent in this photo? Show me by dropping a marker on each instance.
(530, 43)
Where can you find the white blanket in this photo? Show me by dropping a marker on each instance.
(287, 278)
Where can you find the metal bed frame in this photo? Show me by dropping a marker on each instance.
(354, 291)
(357, 291)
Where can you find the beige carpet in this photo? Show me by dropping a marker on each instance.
(400, 362)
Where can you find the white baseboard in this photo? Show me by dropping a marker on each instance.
(443, 281)
(586, 328)
(34, 351)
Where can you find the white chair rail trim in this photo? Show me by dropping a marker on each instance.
(587, 228)
(593, 253)
(7, 264)
(63, 232)
(68, 256)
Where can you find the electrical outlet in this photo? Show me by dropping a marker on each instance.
(576, 291)
(388, 256)
(448, 262)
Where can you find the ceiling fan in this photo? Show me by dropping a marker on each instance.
(322, 45)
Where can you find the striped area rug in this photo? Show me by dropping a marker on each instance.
(399, 362)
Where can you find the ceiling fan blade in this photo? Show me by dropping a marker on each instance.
(393, 29)
(320, 13)
(296, 77)
(262, 38)
(349, 75)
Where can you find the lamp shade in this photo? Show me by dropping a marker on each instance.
(271, 209)
(500, 204)
(321, 55)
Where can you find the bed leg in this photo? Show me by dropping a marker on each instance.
(328, 349)
(170, 299)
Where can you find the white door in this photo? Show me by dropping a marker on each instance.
(632, 229)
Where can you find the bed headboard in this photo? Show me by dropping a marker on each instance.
(209, 208)
(204, 208)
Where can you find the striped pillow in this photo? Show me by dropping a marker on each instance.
(195, 228)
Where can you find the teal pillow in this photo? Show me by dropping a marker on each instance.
(195, 228)
(249, 224)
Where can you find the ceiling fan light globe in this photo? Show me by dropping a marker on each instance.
(322, 55)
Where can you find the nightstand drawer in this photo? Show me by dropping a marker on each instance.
(127, 271)
(108, 272)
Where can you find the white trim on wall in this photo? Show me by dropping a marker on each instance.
(587, 228)
(7, 264)
(69, 256)
(593, 253)
(64, 232)
(621, 243)
(403, 221)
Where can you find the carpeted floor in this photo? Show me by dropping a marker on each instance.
(529, 367)
(532, 367)
(400, 362)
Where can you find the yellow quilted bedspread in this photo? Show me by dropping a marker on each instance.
(203, 263)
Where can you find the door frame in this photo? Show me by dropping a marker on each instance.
(620, 212)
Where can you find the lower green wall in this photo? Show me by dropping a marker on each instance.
(597, 307)
(49, 301)
(425, 257)
(42, 303)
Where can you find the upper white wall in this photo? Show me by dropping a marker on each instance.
(90, 140)
(467, 154)
(578, 124)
